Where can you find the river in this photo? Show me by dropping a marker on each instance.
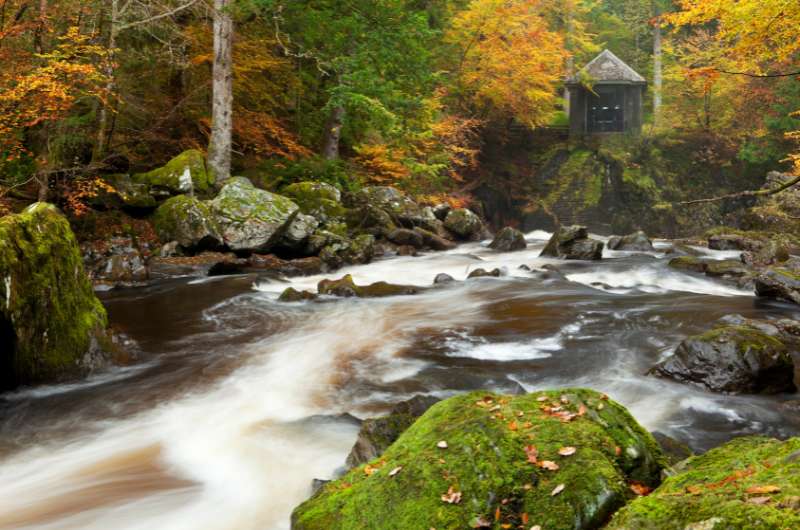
(236, 401)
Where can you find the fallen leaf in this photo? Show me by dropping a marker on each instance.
(541, 398)
(604, 397)
(442, 444)
(618, 450)
(558, 489)
(497, 514)
(564, 399)
(536, 527)
(481, 522)
(640, 489)
(762, 489)
(600, 406)
(548, 465)
(567, 451)
(524, 517)
(520, 414)
(495, 408)
(527, 425)
(505, 525)
(512, 426)
(532, 453)
(395, 471)
(694, 490)
(759, 500)
(370, 470)
(582, 410)
(452, 496)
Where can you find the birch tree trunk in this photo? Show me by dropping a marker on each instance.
(219, 148)
(333, 133)
(102, 127)
(657, 69)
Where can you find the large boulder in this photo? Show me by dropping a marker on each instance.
(377, 434)
(689, 263)
(637, 241)
(52, 325)
(508, 240)
(186, 173)
(189, 221)
(572, 242)
(464, 224)
(340, 251)
(559, 460)
(779, 283)
(251, 219)
(748, 483)
(401, 209)
(298, 232)
(739, 356)
(317, 199)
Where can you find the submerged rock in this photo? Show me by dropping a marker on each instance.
(293, 295)
(748, 483)
(377, 434)
(188, 221)
(443, 278)
(572, 242)
(483, 273)
(740, 356)
(464, 224)
(52, 325)
(779, 283)
(345, 287)
(470, 461)
(251, 219)
(186, 173)
(638, 241)
(508, 240)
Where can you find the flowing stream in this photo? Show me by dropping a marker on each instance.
(237, 400)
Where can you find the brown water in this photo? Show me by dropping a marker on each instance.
(234, 406)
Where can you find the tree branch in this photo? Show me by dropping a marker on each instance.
(742, 194)
(749, 74)
(167, 14)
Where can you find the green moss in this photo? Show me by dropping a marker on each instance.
(186, 220)
(746, 338)
(175, 174)
(45, 297)
(346, 287)
(317, 199)
(634, 175)
(715, 486)
(486, 462)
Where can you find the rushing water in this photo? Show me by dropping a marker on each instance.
(237, 400)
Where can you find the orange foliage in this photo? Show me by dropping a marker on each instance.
(79, 192)
(382, 164)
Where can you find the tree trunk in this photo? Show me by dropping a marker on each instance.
(219, 148)
(570, 66)
(657, 70)
(102, 127)
(333, 133)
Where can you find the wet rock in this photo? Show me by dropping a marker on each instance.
(638, 241)
(186, 173)
(406, 237)
(524, 267)
(464, 224)
(400, 209)
(293, 295)
(746, 483)
(171, 249)
(778, 283)
(377, 434)
(348, 251)
(345, 287)
(440, 211)
(251, 219)
(426, 493)
(434, 241)
(52, 326)
(689, 263)
(295, 267)
(195, 266)
(371, 219)
(747, 357)
(730, 268)
(116, 262)
(733, 242)
(406, 250)
(771, 253)
(572, 242)
(483, 273)
(188, 221)
(317, 199)
(509, 240)
(682, 249)
(443, 278)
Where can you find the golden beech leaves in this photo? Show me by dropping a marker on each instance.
(511, 60)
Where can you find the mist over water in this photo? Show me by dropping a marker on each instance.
(236, 403)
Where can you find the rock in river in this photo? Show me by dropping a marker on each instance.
(565, 458)
(638, 241)
(508, 240)
(572, 242)
(464, 224)
(51, 324)
(345, 287)
(779, 283)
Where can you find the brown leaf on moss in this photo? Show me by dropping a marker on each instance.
(452, 496)
(532, 453)
(548, 465)
(558, 489)
(640, 489)
(762, 489)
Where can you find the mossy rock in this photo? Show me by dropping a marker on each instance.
(189, 221)
(185, 173)
(251, 219)
(318, 199)
(345, 287)
(689, 263)
(747, 484)
(485, 470)
(779, 283)
(464, 224)
(135, 195)
(290, 294)
(51, 322)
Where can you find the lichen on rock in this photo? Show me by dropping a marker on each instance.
(186, 173)
(189, 221)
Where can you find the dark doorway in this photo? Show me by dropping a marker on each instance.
(606, 110)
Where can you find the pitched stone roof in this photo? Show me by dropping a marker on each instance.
(608, 68)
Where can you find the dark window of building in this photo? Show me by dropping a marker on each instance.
(606, 109)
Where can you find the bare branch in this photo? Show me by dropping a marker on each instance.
(742, 194)
(166, 14)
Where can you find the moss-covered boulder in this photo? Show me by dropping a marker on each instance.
(464, 224)
(341, 250)
(189, 221)
(317, 199)
(51, 323)
(251, 219)
(561, 459)
(509, 240)
(749, 483)
(401, 209)
(739, 356)
(186, 173)
(134, 195)
(346, 287)
(689, 263)
(637, 241)
(573, 242)
(290, 294)
(779, 283)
